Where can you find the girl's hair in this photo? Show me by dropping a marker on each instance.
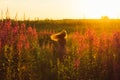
(58, 36)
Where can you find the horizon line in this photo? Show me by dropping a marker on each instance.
(59, 19)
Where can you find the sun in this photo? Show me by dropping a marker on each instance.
(95, 8)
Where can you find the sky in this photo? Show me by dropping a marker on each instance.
(60, 9)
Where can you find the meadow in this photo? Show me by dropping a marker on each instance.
(92, 50)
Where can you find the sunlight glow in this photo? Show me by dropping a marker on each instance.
(61, 9)
(97, 8)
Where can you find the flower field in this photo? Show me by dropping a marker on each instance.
(28, 53)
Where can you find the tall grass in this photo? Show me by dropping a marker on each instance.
(27, 52)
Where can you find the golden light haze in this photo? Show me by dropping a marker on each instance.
(61, 9)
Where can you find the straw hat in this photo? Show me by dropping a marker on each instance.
(61, 35)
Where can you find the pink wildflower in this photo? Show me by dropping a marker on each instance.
(22, 37)
(27, 45)
(29, 30)
(15, 30)
(35, 33)
(19, 45)
(76, 63)
(0, 45)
